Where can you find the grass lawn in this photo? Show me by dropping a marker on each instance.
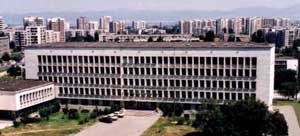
(164, 127)
(58, 125)
(295, 105)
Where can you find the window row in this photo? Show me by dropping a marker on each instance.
(154, 82)
(94, 92)
(149, 60)
(149, 71)
(35, 96)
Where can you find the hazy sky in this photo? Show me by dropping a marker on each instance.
(25, 6)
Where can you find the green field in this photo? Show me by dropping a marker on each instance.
(164, 127)
(57, 125)
(294, 104)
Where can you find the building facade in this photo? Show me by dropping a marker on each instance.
(131, 73)
(19, 95)
(35, 35)
(104, 24)
(1, 24)
(33, 21)
(82, 23)
(57, 24)
(4, 45)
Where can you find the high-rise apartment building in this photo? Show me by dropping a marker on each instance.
(151, 73)
(82, 23)
(139, 25)
(57, 24)
(1, 24)
(104, 24)
(117, 27)
(33, 21)
(20, 37)
(4, 45)
(52, 36)
(35, 35)
(186, 27)
(93, 25)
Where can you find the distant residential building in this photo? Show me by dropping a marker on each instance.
(33, 21)
(10, 31)
(52, 36)
(104, 24)
(18, 96)
(76, 33)
(139, 25)
(117, 27)
(1, 24)
(20, 37)
(82, 23)
(67, 26)
(144, 38)
(285, 63)
(35, 35)
(4, 45)
(256, 24)
(186, 27)
(57, 24)
(93, 25)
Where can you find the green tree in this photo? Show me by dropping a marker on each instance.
(288, 89)
(150, 39)
(14, 71)
(210, 36)
(96, 36)
(282, 76)
(44, 113)
(16, 57)
(210, 121)
(277, 125)
(258, 37)
(5, 57)
(160, 39)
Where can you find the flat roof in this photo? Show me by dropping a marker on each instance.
(152, 45)
(17, 85)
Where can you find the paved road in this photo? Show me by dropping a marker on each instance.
(291, 119)
(5, 123)
(133, 124)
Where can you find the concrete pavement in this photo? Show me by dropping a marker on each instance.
(133, 124)
(291, 119)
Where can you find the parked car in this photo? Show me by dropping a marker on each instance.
(106, 119)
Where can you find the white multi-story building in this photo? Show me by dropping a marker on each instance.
(57, 24)
(117, 27)
(139, 25)
(1, 24)
(35, 35)
(33, 21)
(82, 23)
(17, 96)
(285, 63)
(104, 24)
(186, 26)
(150, 73)
(20, 37)
(52, 36)
(93, 25)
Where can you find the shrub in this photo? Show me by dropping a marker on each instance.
(106, 111)
(73, 114)
(80, 122)
(65, 110)
(93, 115)
(86, 119)
(180, 120)
(85, 111)
(16, 124)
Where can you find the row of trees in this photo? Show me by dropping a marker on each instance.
(14, 56)
(243, 118)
